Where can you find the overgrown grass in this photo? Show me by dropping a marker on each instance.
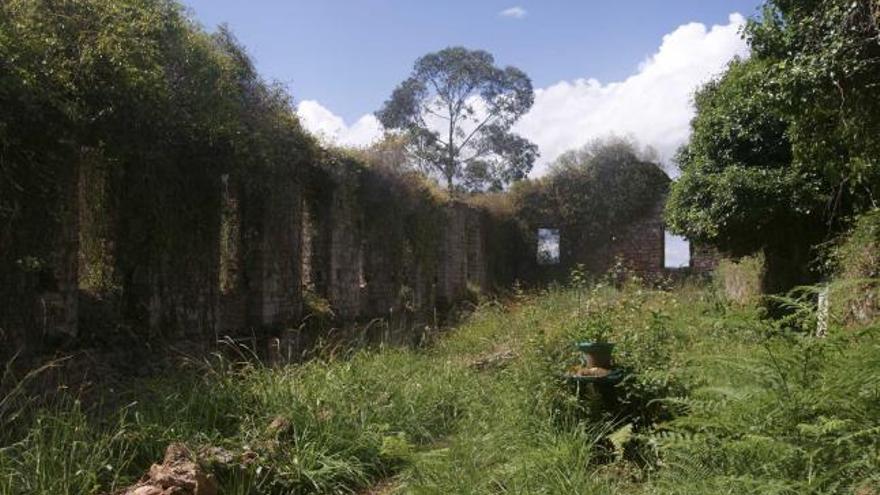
(717, 399)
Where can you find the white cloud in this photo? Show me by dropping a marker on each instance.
(514, 12)
(654, 105)
(331, 128)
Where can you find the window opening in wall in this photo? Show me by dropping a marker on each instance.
(548, 246)
(677, 251)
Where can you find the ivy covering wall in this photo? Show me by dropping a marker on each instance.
(121, 120)
(153, 186)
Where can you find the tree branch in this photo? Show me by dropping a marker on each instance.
(477, 129)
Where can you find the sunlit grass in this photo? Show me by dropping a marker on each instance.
(718, 400)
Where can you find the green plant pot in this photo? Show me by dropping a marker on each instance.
(597, 354)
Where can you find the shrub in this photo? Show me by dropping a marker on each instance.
(790, 415)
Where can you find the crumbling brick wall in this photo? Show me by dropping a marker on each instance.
(704, 259)
(641, 244)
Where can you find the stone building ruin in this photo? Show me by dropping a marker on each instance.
(365, 241)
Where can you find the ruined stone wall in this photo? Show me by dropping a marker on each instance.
(39, 293)
(57, 305)
(370, 242)
(37, 241)
(452, 269)
(704, 259)
(345, 253)
(379, 244)
(476, 233)
(232, 303)
(185, 266)
(386, 262)
(640, 245)
(275, 282)
(334, 256)
(508, 253)
(60, 307)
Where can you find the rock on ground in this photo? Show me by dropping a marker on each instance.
(179, 474)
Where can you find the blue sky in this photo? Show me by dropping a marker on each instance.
(350, 54)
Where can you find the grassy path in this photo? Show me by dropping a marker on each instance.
(718, 401)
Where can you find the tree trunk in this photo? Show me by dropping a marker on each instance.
(450, 149)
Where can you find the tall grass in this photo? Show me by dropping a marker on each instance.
(741, 280)
(717, 399)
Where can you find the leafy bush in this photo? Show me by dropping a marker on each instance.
(784, 145)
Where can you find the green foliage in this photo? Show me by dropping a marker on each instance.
(738, 189)
(477, 103)
(784, 144)
(792, 417)
(858, 253)
(601, 186)
(646, 342)
(823, 57)
(595, 327)
(63, 452)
